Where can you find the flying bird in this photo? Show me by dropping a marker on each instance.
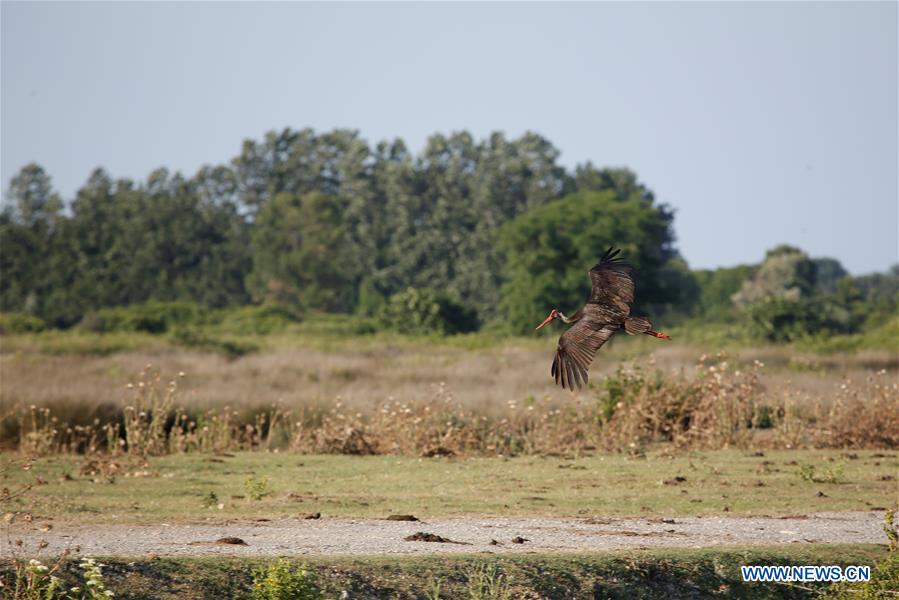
(606, 313)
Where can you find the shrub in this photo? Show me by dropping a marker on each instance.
(191, 338)
(20, 323)
(264, 319)
(152, 317)
(620, 387)
(783, 320)
(281, 582)
(36, 580)
(863, 417)
(424, 311)
(485, 582)
(716, 409)
(257, 489)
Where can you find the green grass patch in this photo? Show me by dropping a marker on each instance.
(83, 343)
(242, 330)
(178, 487)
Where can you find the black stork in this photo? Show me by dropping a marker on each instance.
(606, 313)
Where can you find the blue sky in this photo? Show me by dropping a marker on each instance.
(760, 123)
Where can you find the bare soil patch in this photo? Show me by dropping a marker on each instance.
(361, 537)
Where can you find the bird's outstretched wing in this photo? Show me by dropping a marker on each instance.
(577, 346)
(613, 285)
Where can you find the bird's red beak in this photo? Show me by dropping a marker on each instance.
(551, 316)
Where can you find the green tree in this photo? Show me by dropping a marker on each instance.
(32, 196)
(398, 216)
(20, 249)
(300, 254)
(622, 181)
(828, 274)
(550, 249)
(383, 220)
(510, 177)
(880, 293)
(442, 211)
(786, 272)
(791, 296)
(33, 261)
(298, 162)
(184, 244)
(679, 286)
(164, 240)
(716, 288)
(95, 241)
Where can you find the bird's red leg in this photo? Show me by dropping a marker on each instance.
(658, 334)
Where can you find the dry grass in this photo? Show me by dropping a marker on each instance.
(299, 375)
(723, 406)
(406, 396)
(363, 373)
(718, 403)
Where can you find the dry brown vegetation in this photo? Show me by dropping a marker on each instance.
(417, 400)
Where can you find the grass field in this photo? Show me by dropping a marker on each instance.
(775, 431)
(357, 380)
(84, 371)
(179, 488)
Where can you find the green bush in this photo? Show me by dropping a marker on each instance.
(20, 323)
(257, 489)
(881, 332)
(264, 319)
(281, 582)
(425, 311)
(151, 317)
(191, 338)
(782, 320)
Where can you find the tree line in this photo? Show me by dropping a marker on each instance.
(491, 231)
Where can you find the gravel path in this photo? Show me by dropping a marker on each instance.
(471, 534)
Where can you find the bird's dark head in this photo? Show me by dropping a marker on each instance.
(552, 315)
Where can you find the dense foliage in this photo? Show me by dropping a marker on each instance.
(300, 253)
(427, 311)
(326, 222)
(550, 249)
(791, 296)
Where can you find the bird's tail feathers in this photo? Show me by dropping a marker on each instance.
(637, 325)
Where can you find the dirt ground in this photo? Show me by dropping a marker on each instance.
(341, 536)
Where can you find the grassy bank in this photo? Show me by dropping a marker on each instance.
(191, 487)
(635, 574)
